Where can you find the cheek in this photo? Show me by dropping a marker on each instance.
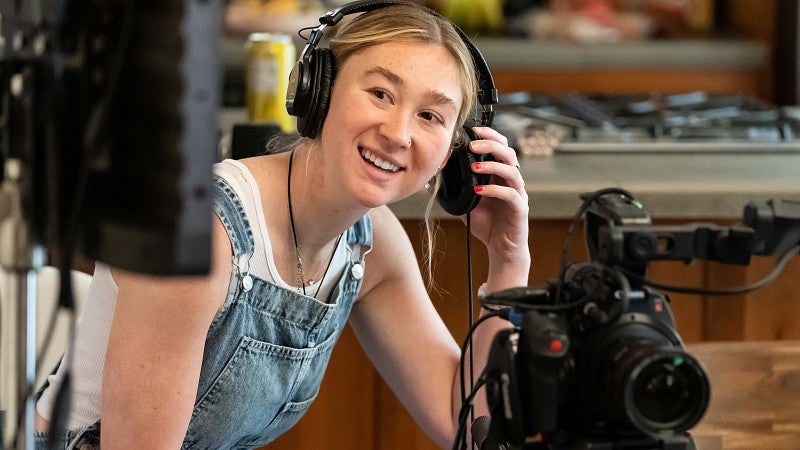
(341, 116)
(438, 153)
(339, 103)
(441, 146)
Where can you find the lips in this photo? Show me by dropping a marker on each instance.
(378, 162)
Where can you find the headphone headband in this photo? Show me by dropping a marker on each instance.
(333, 16)
(300, 80)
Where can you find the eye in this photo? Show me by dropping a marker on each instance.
(431, 117)
(380, 94)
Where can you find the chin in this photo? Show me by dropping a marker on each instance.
(376, 198)
(374, 201)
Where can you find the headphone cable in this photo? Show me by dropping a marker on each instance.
(471, 313)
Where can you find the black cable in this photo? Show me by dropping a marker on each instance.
(51, 324)
(471, 306)
(460, 441)
(573, 223)
(301, 30)
(468, 342)
(769, 278)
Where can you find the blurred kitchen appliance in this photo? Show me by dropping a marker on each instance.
(689, 122)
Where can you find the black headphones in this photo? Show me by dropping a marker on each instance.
(308, 97)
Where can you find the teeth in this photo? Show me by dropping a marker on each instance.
(385, 165)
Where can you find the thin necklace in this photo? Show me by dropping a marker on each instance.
(301, 279)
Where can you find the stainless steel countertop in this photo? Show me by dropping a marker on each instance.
(687, 185)
(670, 185)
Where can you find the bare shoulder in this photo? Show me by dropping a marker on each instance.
(392, 258)
(384, 220)
(204, 292)
(388, 234)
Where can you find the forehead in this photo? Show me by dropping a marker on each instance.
(418, 65)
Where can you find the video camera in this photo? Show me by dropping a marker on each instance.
(594, 360)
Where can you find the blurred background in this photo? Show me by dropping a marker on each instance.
(692, 105)
(689, 104)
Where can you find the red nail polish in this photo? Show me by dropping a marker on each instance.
(476, 166)
(478, 188)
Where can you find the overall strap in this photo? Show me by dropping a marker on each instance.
(360, 234)
(230, 210)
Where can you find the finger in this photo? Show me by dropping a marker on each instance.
(511, 175)
(490, 134)
(501, 152)
(516, 197)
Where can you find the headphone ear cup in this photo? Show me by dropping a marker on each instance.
(457, 193)
(322, 71)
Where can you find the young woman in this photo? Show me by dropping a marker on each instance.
(303, 243)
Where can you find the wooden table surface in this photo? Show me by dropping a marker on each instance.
(755, 395)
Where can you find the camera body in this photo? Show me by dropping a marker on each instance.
(594, 360)
(607, 370)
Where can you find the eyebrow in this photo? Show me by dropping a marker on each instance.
(438, 97)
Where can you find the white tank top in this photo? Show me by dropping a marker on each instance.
(94, 320)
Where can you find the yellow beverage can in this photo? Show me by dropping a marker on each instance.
(269, 60)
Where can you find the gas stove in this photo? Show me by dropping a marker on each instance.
(690, 122)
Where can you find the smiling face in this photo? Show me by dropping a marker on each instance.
(393, 110)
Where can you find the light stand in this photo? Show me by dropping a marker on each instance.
(21, 256)
(21, 250)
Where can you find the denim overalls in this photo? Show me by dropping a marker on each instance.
(266, 350)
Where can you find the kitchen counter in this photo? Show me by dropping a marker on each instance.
(676, 185)
(682, 185)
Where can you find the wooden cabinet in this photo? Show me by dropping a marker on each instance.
(750, 81)
(755, 391)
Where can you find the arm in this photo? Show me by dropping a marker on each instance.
(402, 333)
(501, 219)
(398, 325)
(155, 352)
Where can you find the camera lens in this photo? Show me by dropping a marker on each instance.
(634, 376)
(667, 391)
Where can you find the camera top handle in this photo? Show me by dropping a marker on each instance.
(619, 231)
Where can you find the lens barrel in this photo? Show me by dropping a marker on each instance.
(635, 374)
(664, 390)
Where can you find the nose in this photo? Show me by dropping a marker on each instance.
(396, 129)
